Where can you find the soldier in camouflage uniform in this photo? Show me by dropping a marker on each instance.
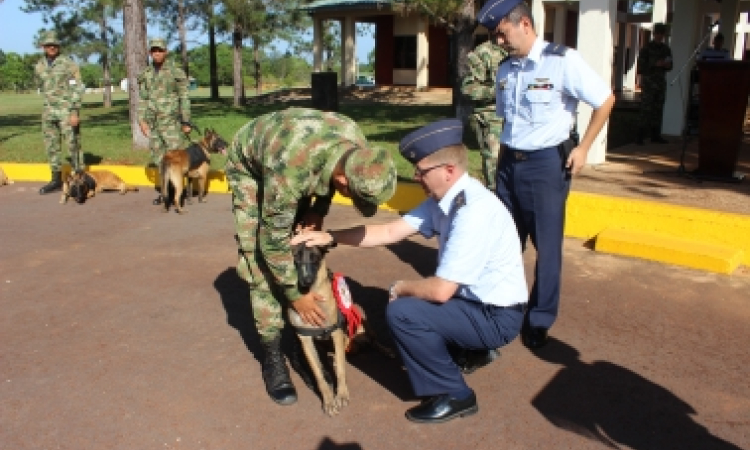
(164, 109)
(479, 85)
(60, 83)
(284, 168)
(654, 61)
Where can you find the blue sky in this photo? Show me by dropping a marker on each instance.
(17, 31)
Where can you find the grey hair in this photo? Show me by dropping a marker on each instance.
(520, 11)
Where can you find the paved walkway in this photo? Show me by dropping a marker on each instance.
(126, 328)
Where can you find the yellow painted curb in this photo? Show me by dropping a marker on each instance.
(587, 214)
(667, 249)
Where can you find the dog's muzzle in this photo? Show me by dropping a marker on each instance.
(78, 192)
(307, 260)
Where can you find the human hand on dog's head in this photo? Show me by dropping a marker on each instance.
(312, 238)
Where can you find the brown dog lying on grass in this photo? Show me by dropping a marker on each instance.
(4, 178)
(314, 275)
(84, 185)
(193, 162)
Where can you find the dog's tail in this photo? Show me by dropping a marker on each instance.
(130, 188)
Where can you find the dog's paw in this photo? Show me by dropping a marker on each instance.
(342, 398)
(202, 200)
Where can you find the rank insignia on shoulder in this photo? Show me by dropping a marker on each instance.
(460, 200)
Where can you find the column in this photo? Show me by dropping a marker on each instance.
(683, 39)
(348, 61)
(537, 11)
(561, 16)
(728, 18)
(317, 45)
(596, 18)
(633, 46)
(423, 52)
(659, 13)
(743, 28)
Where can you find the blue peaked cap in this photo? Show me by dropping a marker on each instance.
(431, 138)
(493, 12)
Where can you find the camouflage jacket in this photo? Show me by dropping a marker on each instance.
(292, 155)
(479, 82)
(60, 83)
(649, 55)
(163, 93)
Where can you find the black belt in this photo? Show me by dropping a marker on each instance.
(523, 155)
(520, 307)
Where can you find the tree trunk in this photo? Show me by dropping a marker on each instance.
(462, 41)
(212, 65)
(183, 36)
(256, 67)
(237, 65)
(136, 59)
(105, 61)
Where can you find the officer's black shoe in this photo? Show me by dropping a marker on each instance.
(158, 201)
(535, 337)
(54, 185)
(442, 408)
(276, 375)
(476, 359)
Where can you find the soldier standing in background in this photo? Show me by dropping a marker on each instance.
(60, 82)
(164, 109)
(276, 166)
(479, 85)
(654, 61)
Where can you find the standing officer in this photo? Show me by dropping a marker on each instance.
(164, 108)
(538, 89)
(479, 85)
(277, 164)
(654, 61)
(60, 83)
(477, 297)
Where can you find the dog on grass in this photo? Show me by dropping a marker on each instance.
(84, 185)
(4, 178)
(193, 162)
(313, 275)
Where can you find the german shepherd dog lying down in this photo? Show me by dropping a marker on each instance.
(339, 329)
(4, 178)
(193, 162)
(84, 185)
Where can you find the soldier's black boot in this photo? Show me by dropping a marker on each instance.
(54, 185)
(640, 137)
(276, 375)
(656, 137)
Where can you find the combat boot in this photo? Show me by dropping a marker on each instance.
(54, 185)
(276, 375)
(656, 137)
(640, 137)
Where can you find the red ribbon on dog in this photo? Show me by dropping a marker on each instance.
(344, 302)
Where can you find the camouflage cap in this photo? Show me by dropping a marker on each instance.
(372, 178)
(157, 43)
(50, 38)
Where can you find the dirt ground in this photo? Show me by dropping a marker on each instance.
(126, 328)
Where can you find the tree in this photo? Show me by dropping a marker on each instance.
(134, 27)
(15, 73)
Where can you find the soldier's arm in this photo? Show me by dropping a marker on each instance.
(76, 90)
(143, 94)
(182, 93)
(475, 84)
(321, 205)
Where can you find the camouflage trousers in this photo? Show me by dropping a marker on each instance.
(266, 298)
(488, 137)
(54, 131)
(166, 134)
(653, 95)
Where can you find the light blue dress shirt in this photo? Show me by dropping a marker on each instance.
(479, 246)
(538, 96)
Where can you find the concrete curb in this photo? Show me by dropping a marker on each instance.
(640, 228)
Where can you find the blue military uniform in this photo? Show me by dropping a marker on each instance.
(538, 95)
(480, 251)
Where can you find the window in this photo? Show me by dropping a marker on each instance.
(405, 52)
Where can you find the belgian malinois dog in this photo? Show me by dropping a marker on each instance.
(4, 178)
(84, 185)
(193, 162)
(313, 275)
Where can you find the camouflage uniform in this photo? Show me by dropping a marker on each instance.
(279, 167)
(653, 86)
(164, 104)
(60, 83)
(479, 85)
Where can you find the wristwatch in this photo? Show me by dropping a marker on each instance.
(392, 292)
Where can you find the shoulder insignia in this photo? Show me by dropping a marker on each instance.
(555, 49)
(459, 201)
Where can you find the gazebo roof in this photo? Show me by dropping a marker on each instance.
(327, 5)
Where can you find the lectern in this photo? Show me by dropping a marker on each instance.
(724, 87)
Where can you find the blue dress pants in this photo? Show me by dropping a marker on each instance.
(424, 333)
(534, 187)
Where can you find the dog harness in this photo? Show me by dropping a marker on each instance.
(197, 156)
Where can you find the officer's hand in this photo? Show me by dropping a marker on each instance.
(74, 120)
(145, 130)
(311, 222)
(186, 129)
(308, 309)
(576, 161)
(312, 238)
